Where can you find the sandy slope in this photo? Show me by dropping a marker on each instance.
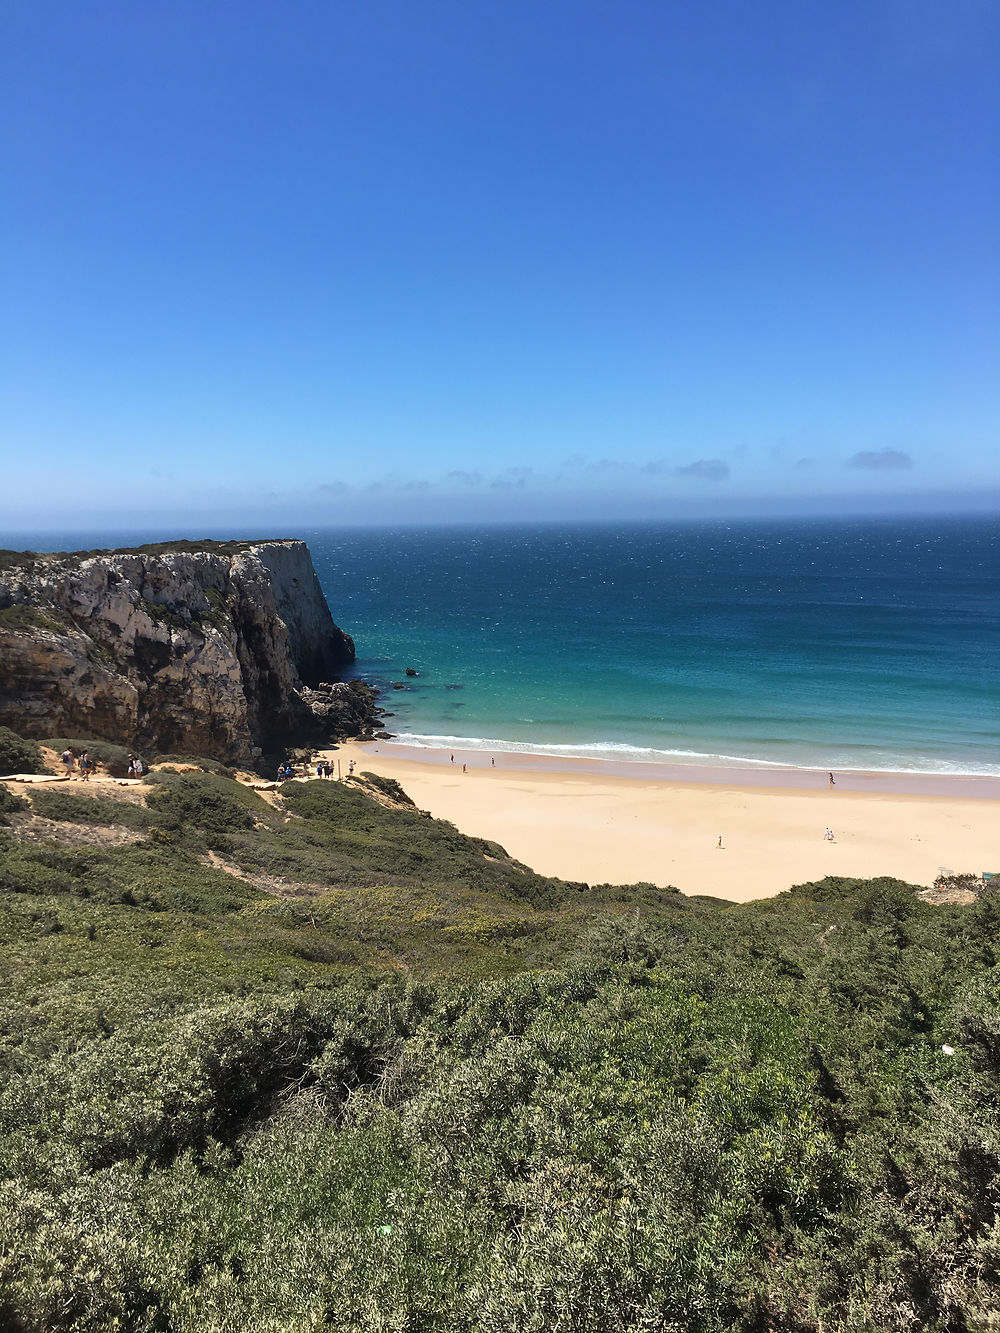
(598, 826)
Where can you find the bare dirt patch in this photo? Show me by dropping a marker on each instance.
(276, 885)
(33, 828)
(109, 789)
(948, 897)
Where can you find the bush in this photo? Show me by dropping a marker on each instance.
(388, 787)
(195, 761)
(18, 755)
(9, 802)
(192, 800)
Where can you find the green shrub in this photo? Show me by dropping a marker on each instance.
(18, 755)
(403, 846)
(9, 802)
(388, 787)
(190, 799)
(196, 761)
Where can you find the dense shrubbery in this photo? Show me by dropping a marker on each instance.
(359, 841)
(9, 802)
(17, 755)
(220, 806)
(424, 1102)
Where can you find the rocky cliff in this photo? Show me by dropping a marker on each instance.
(218, 648)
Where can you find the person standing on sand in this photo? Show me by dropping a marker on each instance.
(69, 763)
(463, 768)
(828, 835)
(719, 843)
(452, 758)
(85, 766)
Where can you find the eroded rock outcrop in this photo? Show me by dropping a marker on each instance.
(218, 648)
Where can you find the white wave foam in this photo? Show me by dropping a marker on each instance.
(620, 751)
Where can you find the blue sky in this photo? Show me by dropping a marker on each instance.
(417, 261)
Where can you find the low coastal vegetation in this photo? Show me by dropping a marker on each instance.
(29, 560)
(308, 1059)
(18, 755)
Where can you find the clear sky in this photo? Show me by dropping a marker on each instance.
(387, 260)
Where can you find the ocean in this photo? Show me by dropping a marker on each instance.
(864, 644)
(869, 644)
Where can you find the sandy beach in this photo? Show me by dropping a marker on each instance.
(588, 820)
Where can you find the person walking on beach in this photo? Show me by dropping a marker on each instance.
(719, 843)
(85, 766)
(69, 763)
(452, 758)
(828, 835)
(463, 768)
(350, 768)
(832, 783)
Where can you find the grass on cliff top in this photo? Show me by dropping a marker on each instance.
(28, 559)
(454, 1095)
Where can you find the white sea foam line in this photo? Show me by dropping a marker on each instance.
(611, 751)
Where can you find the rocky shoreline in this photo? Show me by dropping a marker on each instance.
(226, 649)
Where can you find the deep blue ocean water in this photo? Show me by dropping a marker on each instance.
(865, 644)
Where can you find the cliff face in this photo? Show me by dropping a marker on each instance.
(212, 648)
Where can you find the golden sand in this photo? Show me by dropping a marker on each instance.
(601, 825)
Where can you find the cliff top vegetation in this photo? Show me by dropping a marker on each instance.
(310, 1059)
(17, 559)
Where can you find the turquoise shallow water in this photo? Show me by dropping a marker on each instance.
(867, 644)
(850, 645)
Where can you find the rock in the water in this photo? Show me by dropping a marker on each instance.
(214, 648)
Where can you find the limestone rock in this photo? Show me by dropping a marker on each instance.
(206, 647)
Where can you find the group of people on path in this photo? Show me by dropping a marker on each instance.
(88, 767)
(86, 764)
(324, 769)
